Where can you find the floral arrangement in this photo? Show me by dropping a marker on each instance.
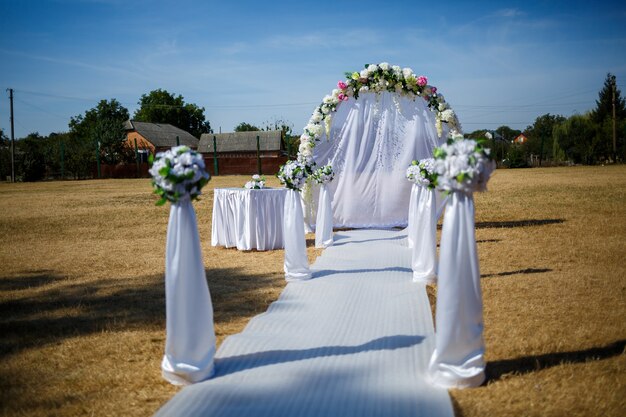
(374, 78)
(463, 165)
(178, 174)
(293, 175)
(324, 175)
(256, 183)
(422, 173)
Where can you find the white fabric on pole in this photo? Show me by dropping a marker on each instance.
(458, 359)
(247, 218)
(372, 141)
(354, 341)
(190, 338)
(296, 260)
(324, 223)
(440, 200)
(424, 251)
(415, 189)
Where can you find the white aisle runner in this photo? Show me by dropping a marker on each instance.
(353, 341)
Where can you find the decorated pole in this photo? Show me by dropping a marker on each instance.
(422, 230)
(324, 218)
(294, 175)
(463, 167)
(178, 177)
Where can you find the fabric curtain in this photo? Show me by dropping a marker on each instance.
(458, 358)
(324, 223)
(371, 142)
(190, 337)
(424, 230)
(296, 261)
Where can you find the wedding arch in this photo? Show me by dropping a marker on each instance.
(369, 129)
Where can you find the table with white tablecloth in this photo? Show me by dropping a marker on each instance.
(248, 219)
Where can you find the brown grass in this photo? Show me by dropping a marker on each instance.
(82, 305)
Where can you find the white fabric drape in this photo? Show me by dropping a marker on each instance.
(190, 338)
(296, 260)
(424, 230)
(415, 189)
(324, 223)
(248, 219)
(372, 141)
(458, 358)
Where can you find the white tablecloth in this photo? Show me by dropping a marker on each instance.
(248, 219)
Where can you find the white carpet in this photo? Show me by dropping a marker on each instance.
(353, 341)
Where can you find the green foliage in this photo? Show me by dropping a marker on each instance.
(576, 137)
(516, 157)
(29, 157)
(246, 127)
(5, 156)
(104, 125)
(604, 104)
(160, 106)
(540, 135)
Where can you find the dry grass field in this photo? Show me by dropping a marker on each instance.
(82, 302)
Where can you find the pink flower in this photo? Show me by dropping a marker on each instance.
(434, 90)
(422, 81)
(342, 85)
(342, 97)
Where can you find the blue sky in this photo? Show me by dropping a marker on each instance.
(497, 63)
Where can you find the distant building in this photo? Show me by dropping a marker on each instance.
(521, 139)
(156, 137)
(242, 143)
(236, 152)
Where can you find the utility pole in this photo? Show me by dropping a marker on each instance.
(13, 137)
(614, 130)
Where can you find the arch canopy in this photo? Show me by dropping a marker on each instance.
(371, 142)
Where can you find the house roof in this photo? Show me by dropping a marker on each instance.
(161, 134)
(240, 141)
(520, 139)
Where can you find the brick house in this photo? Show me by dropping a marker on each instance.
(156, 137)
(521, 139)
(236, 152)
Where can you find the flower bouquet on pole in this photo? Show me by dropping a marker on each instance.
(463, 167)
(293, 175)
(422, 230)
(178, 177)
(324, 218)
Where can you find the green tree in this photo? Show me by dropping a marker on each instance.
(602, 115)
(103, 125)
(29, 157)
(540, 135)
(577, 139)
(159, 106)
(604, 103)
(246, 127)
(5, 156)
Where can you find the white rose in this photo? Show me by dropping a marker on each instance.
(407, 72)
(384, 66)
